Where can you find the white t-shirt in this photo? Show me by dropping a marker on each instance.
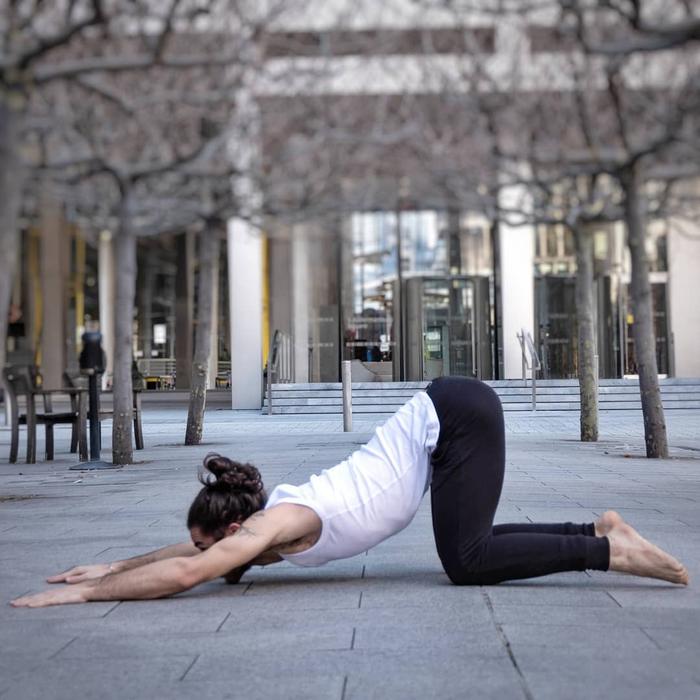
(375, 492)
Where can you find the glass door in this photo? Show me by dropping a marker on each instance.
(449, 338)
(660, 316)
(555, 301)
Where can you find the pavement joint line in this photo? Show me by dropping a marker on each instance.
(65, 646)
(506, 645)
(617, 602)
(223, 622)
(359, 602)
(189, 668)
(345, 686)
(247, 588)
(114, 607)
(352, 641)
(651, 639)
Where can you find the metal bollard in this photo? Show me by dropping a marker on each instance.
(347, 395)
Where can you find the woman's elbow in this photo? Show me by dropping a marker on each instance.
(187, 573)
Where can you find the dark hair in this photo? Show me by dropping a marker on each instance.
(232, 492)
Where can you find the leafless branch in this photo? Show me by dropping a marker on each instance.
(63, 37)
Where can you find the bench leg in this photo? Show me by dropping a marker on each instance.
(49, 441)
(14, 440)
(81, 429)
(31, 430)
(31, 443)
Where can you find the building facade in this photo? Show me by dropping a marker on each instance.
(407, 280)
(375, 244)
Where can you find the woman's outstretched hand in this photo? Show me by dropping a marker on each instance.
(81, 573)
(59, 596)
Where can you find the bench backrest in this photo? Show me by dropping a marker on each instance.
(20, 380)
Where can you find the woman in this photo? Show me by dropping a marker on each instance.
(450, 438)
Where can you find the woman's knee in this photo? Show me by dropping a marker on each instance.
(469, 567)
(469, 576)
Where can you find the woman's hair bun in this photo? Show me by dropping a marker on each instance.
(230, 475)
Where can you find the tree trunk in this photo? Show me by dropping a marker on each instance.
(125, 286)
(11, 177)
(208, 253)
(643, 326)
(587, 378)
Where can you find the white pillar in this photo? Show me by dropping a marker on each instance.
(517, 252)
(301, 284)
(105, 276)
(214, 357)
(245, 310)
(683, 294)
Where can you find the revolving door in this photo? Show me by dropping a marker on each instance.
(445, 328)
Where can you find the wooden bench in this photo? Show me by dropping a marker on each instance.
(22, 384)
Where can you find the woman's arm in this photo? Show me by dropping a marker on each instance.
(87, 572)
(262, 531)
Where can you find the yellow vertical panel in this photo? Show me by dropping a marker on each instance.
(265, 299)
(79, 287)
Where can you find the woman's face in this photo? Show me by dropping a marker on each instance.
(201, 539)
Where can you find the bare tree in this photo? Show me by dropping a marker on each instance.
(208, 254)
(648, 26)
(141, 94)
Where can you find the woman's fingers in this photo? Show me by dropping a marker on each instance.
(61, 596)
(80, 573)
(63, 577)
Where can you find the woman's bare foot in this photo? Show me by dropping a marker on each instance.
(630, 553)
(607, 522)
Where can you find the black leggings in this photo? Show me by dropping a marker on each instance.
(468, 467)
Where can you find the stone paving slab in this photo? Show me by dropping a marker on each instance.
(382, 625)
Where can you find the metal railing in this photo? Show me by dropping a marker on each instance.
(279, 363)
(347, 395)
(530, 360)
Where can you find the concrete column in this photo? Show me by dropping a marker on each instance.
(517, 248)
(184, 310)
(53, 288)
(301, 283)
(214, 358)
(245, 311)
(105, 268)
(683, 293)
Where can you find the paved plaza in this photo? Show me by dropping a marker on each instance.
(386, 624)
